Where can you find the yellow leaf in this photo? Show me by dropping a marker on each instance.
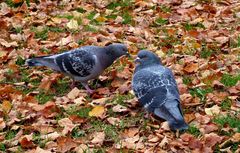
(6, 106)
(72, 24)
(97, 111)
(101, 19)
(215, 110)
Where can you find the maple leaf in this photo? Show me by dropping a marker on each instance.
(25, 143)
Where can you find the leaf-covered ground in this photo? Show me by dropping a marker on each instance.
(199, 40)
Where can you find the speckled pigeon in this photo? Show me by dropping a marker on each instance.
(82, 64)
(157, 91)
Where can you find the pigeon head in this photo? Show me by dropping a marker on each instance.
(146, 58)
(116, 50)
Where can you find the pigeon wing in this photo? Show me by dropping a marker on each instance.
(78, 62)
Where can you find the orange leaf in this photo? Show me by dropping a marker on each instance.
(191, 67)
(25, 143)
(46, 82)
(65, 144)
(6, 106)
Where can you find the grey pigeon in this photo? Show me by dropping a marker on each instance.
(156, 89)
(82, 64)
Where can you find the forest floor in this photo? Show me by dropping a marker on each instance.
(198, 39)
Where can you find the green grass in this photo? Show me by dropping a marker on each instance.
(193, 130)
(57, 29)
(120, 99)
(66, 16)
(2, 147)
(230, 80)
(127, 18)
(37, 140)
(226, 104)
(187, 80)
(161, 21)
(109, 130)
(81, 112)
(20, 61)
(189, 27)
(201, 93)
(80, 10)
(90, 28)
(10, 134)
(205, 52)
(165, 8)
(119, 3)
(229, 120)
(62, 87)
(77, 132)
(43, 97)
(40, 33)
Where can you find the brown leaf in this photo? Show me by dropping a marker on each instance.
(26, 144)
(65, 144)
(191, 67)
(76, 119)
(67, 124)
(212, 139)
(47, 82)
(98, 138)
(73, 93)
(236, 137)
(2, 124)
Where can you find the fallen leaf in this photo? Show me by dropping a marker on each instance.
(212, 139)
(191, 67)
(72, 24)
(163, 142)
(7, 44)
(40, 150)
(214, 110)
(76, 119)
(6, 106)
(73, 93)
(119, 108)
(2, 124)
(67, 124)
(236, 137)
(98, 138)
(26, 144)
(113, 120)
(50, 136)
(97, 111)
(65, 144)
(47, 82)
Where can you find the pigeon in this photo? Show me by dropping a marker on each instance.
(82, 64)
(156, 89)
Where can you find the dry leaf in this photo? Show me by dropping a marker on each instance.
(26, 144)
(119, 108)
(98, 138)
(2, 124)
(74, 93)
(191, 67)
(67, 124)
(6, 106)
(113, 120)
(65, 144)
(214, 110)
(72, 24)
(163, 142)
(97, 111)
(40, 150)
(50, 136)
(236, 137)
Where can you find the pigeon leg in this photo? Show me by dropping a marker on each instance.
(87, 88)
(73, 84)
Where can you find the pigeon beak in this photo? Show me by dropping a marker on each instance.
(137, 60)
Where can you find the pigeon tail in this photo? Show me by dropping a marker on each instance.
(43, 61)
(179, 125)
